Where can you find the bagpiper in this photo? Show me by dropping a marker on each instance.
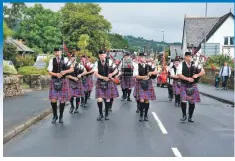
(59, 87)
(75, 83)
(176, 82)
(105, 87)
(127, 79)
(189, 73)
(89, 67)
(143, 91)
(87, 80)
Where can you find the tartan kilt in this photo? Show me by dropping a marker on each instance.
(176, 89)
(127, 82)
(79, 91)
(191, 99)
(88, 85)
(139, 93)
(110, 92)
(63, 95)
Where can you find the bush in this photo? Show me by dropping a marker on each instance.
(218, 61)
(8, 69)
(28, 70)
(9, 52)
(26, 60)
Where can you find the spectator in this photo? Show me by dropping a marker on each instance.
(217, 80)
(225, 73)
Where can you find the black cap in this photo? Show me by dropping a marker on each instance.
(102, 52)
(143, 54)
(188, 53)
(127, 54)
(56, 49)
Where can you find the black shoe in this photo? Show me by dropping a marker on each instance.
(141, 119)
(82, 105)
(100, 117)
(137, 111)
(61, 120)
(110, 110)
(170, 99)
(128, 99)
(54, 119)
(184, 118)
(123, 98)
(106, 117)
(190, 119)
(85, 105)
(76, 110)
(146, 118)
(71, 109)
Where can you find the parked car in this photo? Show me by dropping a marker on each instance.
(162, 79)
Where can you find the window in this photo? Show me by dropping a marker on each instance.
(211, 49)
(228, 41)
(231, 40)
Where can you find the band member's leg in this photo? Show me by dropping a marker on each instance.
(142, 104)
(111, 104)
(54, 109)
(72, 105)
(85, 100)
(146, 108)
(191, 110)
(100, 106)
(183, 108)
(129, 94)
(77, 104)
(82, 101)
(170, 92)
(107, 107)
(138, 106)
(62, 105)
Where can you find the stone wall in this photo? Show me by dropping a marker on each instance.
(209, 78)
(38, 82)
(12, 85)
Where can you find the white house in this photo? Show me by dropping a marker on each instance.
(219, 35)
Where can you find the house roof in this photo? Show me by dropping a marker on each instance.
(220, 21)
(177, 48)
(20, 47)
(194, 27)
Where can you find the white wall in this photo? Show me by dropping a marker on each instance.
(184, 43)
(226, 29)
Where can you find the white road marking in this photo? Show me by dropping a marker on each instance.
(159, 123)
(176, 152)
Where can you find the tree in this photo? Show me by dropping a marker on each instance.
(13, 15)
(6, 31)
(40, 28)
(83, 43)
(84, 18)
(117, 41)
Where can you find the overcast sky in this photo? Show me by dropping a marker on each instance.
(144, 19)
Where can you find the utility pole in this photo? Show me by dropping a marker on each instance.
(205, 30)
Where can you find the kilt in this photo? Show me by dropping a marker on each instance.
(79, 91)
(88, 85)
(139, 93)
(110, 92)
(127, 82)
(63, 95)
(191, 99)
(176, 89)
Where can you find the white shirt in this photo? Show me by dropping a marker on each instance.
(95, 67)
(179, 69)
(226, 71)
(50, 66)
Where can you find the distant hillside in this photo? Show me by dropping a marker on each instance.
(138, 44)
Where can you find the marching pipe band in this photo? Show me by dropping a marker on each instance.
(71, 79)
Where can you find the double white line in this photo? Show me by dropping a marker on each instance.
(163, 129)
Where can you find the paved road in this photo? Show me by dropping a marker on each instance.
(123, 135)
(18, 109)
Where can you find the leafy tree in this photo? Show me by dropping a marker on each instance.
(84, 18)
(83, 43)
(6, 31)
(40, 28)
(117, 41)
(14, 14)
(9, 52)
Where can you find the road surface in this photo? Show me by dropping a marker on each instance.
(211, 135)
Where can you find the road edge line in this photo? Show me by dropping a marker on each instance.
(217, 98)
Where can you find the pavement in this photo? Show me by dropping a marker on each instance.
(211, 135)
(19, 109)
(226, 96)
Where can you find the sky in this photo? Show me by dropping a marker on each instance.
(147, 20)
